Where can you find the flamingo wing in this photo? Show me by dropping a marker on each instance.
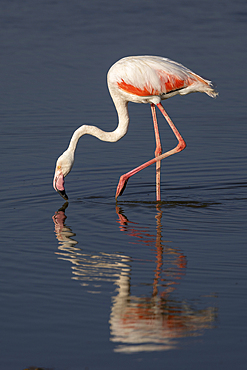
(156, 76)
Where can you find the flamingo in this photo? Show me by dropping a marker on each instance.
(138, 79)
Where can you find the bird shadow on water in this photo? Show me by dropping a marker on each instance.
(154, 321)
(172, 203)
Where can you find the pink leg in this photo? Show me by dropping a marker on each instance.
(158, 151)
(181, 145)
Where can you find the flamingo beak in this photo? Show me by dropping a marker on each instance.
(58, 184)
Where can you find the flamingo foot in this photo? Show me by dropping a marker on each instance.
(121, 186)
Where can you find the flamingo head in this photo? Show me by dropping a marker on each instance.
(63, 167)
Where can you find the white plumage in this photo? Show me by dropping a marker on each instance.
(157, 74)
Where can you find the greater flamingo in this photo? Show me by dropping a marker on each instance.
(138, 79)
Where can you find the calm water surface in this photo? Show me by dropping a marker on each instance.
(92, 284)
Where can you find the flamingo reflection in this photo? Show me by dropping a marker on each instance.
(150, 322)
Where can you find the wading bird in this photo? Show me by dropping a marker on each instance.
(138, 79)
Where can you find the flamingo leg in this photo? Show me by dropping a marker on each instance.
(180, 146)
(158, 151)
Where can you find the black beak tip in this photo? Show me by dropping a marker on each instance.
(63, 194)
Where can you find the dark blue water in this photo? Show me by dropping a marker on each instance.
(92, 284)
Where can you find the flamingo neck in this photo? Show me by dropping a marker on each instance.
(113, 136)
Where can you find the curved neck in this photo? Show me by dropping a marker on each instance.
(113, 136)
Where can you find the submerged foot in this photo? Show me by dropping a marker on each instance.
(121, 186)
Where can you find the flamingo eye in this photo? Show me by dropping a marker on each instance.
(58, 167)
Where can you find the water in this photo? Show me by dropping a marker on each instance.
(92, 284)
